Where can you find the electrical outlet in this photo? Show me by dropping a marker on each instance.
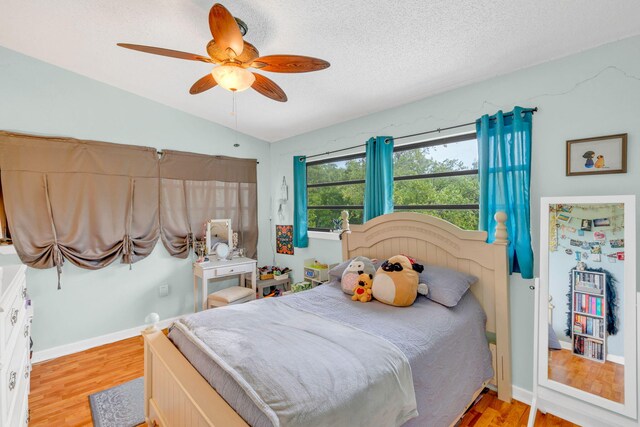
(163, 290)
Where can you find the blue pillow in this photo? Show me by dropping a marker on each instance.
(446, 286)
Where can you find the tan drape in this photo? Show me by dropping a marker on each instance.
(195, 188)
(85, 201)
(95, 202)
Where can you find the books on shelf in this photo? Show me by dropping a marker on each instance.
(588, 282)
(589, 348)
(588, 314)
(588, 304)
(586, 325)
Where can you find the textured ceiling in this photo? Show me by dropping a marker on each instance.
(382, 53)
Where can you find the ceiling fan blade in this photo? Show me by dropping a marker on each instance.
(289, 64)
(268, 88)
(205, 83)
(166, 52)
(225, 30)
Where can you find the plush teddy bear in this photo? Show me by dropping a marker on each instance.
(396, 281)
(362, 291)
(356, 267)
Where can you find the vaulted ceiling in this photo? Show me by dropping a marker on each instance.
(382, 53)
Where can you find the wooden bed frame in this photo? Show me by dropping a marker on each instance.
(177, 395)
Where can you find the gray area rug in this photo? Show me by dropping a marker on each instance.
(120, 406)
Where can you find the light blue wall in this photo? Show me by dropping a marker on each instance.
(593, 93)
(42, 99)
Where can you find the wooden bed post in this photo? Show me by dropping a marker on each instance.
(344, 234)
(147, 374)
(503, 330)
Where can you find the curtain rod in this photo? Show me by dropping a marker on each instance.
(438, 130)
(160, 154)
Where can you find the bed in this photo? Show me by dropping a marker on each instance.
(178, 392)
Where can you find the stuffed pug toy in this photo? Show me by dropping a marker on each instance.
(396, 281)
(362, 291)
(356, 267)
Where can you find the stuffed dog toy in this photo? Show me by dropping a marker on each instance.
(362, 291)
(396, 281)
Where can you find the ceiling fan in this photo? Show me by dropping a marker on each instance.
(233, 56)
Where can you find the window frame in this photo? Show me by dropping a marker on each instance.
(399, 148)
(361, 155)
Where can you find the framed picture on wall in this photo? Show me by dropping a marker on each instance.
(284, 239)
(599, 155)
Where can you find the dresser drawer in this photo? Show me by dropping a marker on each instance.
(19, 413)
(14, 311)
(235, 269)
(16, 375)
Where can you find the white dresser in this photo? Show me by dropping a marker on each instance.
(15, 334)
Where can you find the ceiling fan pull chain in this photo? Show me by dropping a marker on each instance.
(235, 116)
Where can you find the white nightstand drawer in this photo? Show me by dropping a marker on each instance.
(234, 269)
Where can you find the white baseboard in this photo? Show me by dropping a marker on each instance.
(522, 395)
(565, 345)
(518, 393)
(615, 359)
(610, 357)
(75, 347)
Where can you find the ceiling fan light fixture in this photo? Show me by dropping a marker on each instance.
(233, 77)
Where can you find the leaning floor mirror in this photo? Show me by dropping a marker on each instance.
(586, 322)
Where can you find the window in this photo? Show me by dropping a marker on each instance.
(438, 177)
(334, 185)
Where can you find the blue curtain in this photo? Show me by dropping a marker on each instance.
(378, 186)
(504, 166)
(300, 224)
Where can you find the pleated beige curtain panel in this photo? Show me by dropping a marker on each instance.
(195, 188)
(93, 203)
(85, 201)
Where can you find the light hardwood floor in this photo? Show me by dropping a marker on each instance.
(60, 389)
(603, 379)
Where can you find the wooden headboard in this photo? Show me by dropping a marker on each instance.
(438, 242)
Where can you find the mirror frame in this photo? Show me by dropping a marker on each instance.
(629, 408)
(210, 224)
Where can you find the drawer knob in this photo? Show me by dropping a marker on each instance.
(26, 331)
(12, 380)
(14, 316)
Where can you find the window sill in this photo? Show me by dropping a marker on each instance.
(7, 250)
(323, 235)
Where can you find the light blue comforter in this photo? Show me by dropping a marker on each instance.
(446, 349)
